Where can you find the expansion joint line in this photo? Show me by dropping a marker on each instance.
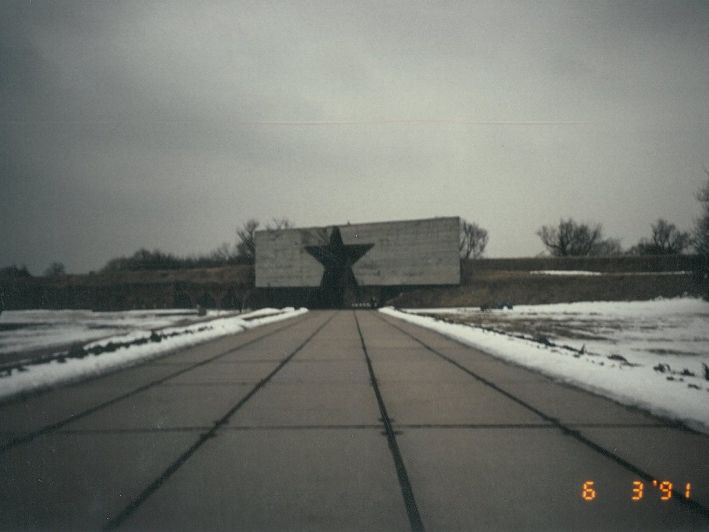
(565, 429)
(26, 438)
(407, 491)
(184, 457)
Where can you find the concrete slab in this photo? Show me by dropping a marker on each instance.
(131, 378)
(331, 351)
(208, 350)
(452, 403)
(79, 481)
(478, 361)
(6, 437)
(240, 360)
(332, 371)
(166, 407)
(57, 405)
(62, 403)
(525, 479)
(500, 372)
(377, 332)
(272, 348)
(399, 354)
(340, 341)
(474, 359)
(571, 405)
(235, 372)
(666, 453)
(281, 480)
(411, 252)
(309, 404)
(428, 336)
(475, 458)
(428, 371)
(235, 346)
(160, 362)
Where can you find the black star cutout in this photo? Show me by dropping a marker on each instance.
(337, 259)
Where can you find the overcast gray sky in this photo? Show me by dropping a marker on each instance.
(165, 124)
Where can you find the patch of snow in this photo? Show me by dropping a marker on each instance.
(447, 310)
(678, 272)
(563, 272)
(267, 311)
(637, 331)
(50, 374)
(583, 272)
(28, 330)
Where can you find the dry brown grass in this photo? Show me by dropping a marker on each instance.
(234, 275)
(522, 288)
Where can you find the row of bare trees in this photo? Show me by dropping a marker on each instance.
(700, 237)
(226, 254)
(570, 238)
(55, 269)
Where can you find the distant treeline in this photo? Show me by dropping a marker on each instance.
(241, 252)
(14, 272)
(144, 259)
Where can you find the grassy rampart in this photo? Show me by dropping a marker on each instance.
(484, 281)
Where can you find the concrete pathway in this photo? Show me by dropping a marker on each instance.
(341, 420)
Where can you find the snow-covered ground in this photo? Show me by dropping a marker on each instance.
(563, 272)
(648, 354)
(577, 273)
(128, 348)
(30, 330)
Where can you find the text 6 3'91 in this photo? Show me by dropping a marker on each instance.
(664, 490)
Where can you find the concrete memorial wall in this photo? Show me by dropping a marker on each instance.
(415, 252)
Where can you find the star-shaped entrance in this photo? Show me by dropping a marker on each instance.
(337, 259)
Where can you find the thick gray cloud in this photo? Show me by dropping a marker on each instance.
(167, 124)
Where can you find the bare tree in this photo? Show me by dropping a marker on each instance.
(55, 269)
(607, 248)
(279, 223)
(224, 253)
(472, 241)
(570, 238)
(246, 245)
(666, 240)
(701, 229)
(14, 272)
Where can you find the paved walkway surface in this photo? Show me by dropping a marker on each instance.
(341, 421)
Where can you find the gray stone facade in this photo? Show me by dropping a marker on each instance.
(405, 253)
